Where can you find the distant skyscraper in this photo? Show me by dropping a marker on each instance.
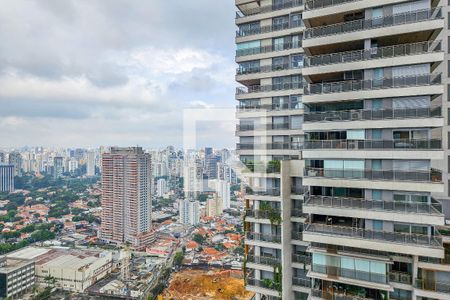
(15, 159)
(223, 192)
(210, 163)
(126, 197)
(192, 178)
(2, 158)
(6, 178)
(189, 212)
(58, 167)
(161, 187)
(73, 165)
(90, 165)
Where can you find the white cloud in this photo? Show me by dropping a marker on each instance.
(175, 61)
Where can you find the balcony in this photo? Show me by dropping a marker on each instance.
(256, 236)
(269, 28)
(270, 146)
(366, 24)
(372, 115)
(400, 277)
(300, 281)
(378, 205)
(262, 214)
(335, 295)
(350, 273)
(301, 258)
(268, 49)
(432, 175)
(372, 84)
(433, 286)
(260, 283)
(373, 53)
(397, 144)
(298, 190)
(280, 126)
(273, 107)
(268, 8)
(269, 88)
(316, 4)
(264, 192)
(263, 260)
(382, 236)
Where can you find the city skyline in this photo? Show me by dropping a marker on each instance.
(97, 87)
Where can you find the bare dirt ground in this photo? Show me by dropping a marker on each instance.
(206, 285)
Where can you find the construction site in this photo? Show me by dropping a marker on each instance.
(207, 284)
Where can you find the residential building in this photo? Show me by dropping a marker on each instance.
(193, 183)
(214, 206)
(270, 131)
(189, 212)
(58, 167)
(16, 277)
(6, 178)
(360, 219)
(15, 159)
(2, 157)
(161, 187)
(126, 197)
(73, 165)
(90, 164)
(223, 190)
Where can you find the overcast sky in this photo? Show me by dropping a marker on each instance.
(114, 72)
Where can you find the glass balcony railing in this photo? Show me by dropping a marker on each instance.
(336, 295)
(257, 282)
(433, 286)
(262, 214)
(366, 24)
(301, 281)
(268, 68)
(268, 8)
(256, 236)
(270, 146)
(268, 49)
(373, 53)
(263, 260)
(432, 241)
(301, 258)
(278, 126)
(432, 175)
(264, 191)
(269, 88)
(397, 144)
(269, 28)
(434, 208)
(272, 107)
(316, 4)
(298, 213)
(298, 190)
(350, 273)
(372, 84)
(372, 114)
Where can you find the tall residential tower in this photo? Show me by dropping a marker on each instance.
(373, 166)
(126, 197)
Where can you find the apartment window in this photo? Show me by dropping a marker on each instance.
(448, 18)
(377, 225)
(297, 61)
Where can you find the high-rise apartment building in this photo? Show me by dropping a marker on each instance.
(90, 164)
(270, 112)
(15, 159)
(358, 216)
(6, 178)
(58, 166)
(189, 212)
(214, 206)
(161, 187)
(193, 183)
(126, 197)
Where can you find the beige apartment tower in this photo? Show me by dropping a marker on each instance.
(126, 197)
(343, 127)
